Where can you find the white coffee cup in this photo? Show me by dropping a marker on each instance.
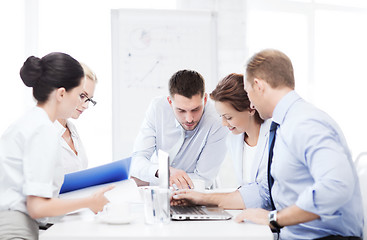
(117, 212)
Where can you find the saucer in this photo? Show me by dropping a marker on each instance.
(115, 220)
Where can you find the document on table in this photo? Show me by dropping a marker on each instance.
(124, 191)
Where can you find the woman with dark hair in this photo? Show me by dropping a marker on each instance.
(248, 140)
(247, 144)
(30, 172)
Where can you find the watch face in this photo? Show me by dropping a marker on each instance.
(273, 220)
(272, 216)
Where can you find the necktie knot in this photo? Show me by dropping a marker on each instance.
(273, 126)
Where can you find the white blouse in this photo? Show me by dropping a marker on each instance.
(259, 160)
(71, 162)
(29, 161)
(248, 161)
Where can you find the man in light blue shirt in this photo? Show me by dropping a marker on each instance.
(186, 126)
(316, 191)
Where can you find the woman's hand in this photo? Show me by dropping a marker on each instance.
(98, 199)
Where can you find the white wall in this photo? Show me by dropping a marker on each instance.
(326, 43)
(231, 32)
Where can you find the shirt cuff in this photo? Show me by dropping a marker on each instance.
(306, 202)
(38, 189)
(251, 196)
(152, 169)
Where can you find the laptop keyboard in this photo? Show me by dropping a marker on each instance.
(188, 210)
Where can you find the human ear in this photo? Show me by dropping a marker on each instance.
(60, 93)
(251, 111)
(258, 85)
(205, 98)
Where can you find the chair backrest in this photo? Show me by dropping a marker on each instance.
(361, 166)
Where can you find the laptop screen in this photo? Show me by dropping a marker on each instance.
(163, 161)
(190, 212)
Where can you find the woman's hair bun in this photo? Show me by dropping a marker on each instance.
(31, 71)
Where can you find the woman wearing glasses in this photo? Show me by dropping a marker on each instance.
(30, 174)
(73, 154)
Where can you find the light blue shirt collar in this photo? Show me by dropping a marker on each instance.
(281, 109)
(200, 155)
(190, 133)
(178, 125)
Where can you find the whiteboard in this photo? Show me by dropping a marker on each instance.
(148, 47)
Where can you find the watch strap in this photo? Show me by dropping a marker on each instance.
(273, 220)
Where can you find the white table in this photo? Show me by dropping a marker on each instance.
(84, 225)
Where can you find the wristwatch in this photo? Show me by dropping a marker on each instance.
(273, 220)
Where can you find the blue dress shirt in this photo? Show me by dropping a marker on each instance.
(313, 169)
(201, 154)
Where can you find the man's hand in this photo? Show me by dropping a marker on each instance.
(180, 179)
(139, 182)
(187, 197)
(255, 215)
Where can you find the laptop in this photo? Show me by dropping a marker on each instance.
(187, 212)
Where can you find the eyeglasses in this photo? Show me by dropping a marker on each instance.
(87, 99)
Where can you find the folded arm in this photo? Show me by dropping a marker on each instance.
(288, 216)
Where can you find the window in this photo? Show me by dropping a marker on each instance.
(326, 43)
(340, 63)
(12, 48)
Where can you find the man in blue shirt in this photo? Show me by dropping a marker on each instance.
(186, 126)
(316, 192)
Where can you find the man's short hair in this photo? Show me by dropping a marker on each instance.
(272, 66)
(187, 83)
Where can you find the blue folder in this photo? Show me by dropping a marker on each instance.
(111, 172)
